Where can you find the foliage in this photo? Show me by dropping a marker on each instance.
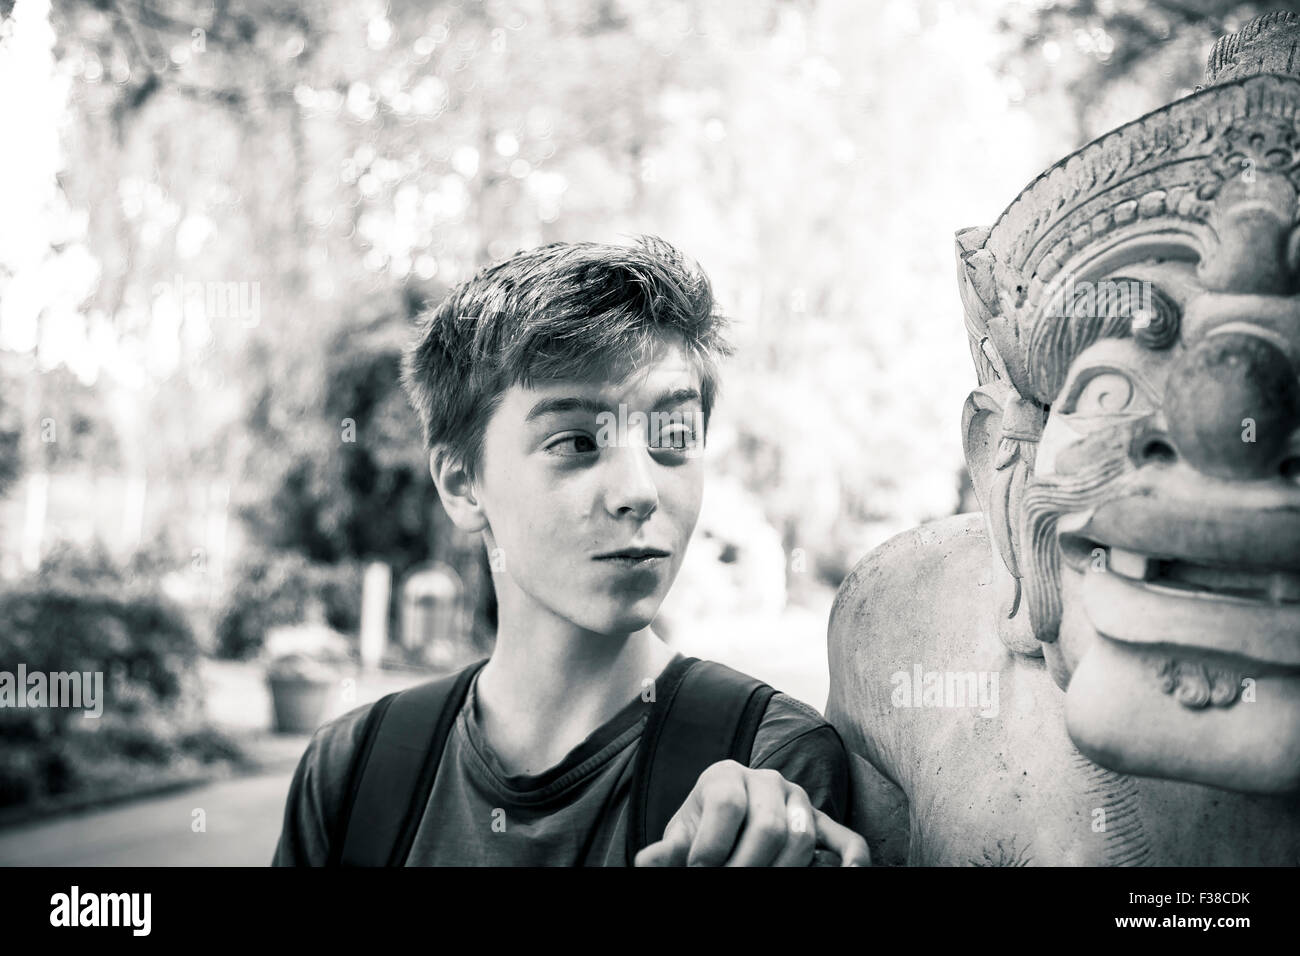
(375, 154)
(344, 483)
(10, 421)
(81, 612)
(347, 479)
(352, 160)
(77, 430)
(101, 757)
(277, 588)
(1105, 62)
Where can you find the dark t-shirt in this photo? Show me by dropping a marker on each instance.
(574, 814)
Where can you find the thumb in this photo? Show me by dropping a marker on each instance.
(840, 840)
(673, 849)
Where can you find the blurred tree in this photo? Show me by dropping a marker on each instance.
(11, 463)
(348, 478)
(51, 421)
(1109, 61)
(328, 161)
(74, 429)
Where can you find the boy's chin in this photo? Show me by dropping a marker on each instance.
(620, 621)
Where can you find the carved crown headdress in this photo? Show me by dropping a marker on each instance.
(1212, 177)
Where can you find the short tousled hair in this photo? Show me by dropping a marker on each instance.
(565, 310)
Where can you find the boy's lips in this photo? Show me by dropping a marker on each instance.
(642, 557)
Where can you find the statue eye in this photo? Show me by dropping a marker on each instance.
(1106, 391)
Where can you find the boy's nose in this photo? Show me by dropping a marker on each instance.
(630, 489)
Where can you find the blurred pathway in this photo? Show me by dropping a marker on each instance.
(242, 818)
(242, 814)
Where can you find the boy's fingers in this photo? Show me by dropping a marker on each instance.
(852, 849)
(801, 827)
(723, 802)
(667, 852)
(767, 820)
(766, 828)
(656, 854)
(677, 838)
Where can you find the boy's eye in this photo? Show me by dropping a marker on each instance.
(675, 437)
(580, 444)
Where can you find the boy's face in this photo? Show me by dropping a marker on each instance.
(591, 489)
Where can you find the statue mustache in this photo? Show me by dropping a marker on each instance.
(1047, 498)
(1192, 683)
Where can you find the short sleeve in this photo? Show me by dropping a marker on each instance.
(316, 792)
(797, 742)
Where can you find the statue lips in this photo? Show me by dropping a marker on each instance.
(1211, 565)
(1197, 583)
(1144, 613)
(1244, 525)
(1252, 749)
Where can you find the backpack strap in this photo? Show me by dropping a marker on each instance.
(393, 770)
(703, 712)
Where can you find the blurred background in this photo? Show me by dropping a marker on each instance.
(220, 219)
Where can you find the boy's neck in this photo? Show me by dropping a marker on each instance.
(549, 684)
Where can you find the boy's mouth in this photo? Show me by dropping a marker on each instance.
(632, 557)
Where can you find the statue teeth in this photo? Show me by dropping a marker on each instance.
(1130, 564)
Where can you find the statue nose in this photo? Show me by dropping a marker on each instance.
(1233, 407)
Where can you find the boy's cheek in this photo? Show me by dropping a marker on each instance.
(681, 496)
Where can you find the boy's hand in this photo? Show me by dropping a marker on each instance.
(736, 816)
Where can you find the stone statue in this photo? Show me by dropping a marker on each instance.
(1104, 666)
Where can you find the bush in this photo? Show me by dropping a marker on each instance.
(81, 612)
(112, 754)
(210, 746)
(21, 775)
(277, 589)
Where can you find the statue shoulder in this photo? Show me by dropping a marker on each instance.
(904, 587)
(917, 597)
(920, 596)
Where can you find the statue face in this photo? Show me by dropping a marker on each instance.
(1160, 537)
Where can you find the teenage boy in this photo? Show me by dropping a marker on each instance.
(564, 395)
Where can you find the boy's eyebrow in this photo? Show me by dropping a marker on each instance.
(555, 406)
(577, 403)
(678, 396)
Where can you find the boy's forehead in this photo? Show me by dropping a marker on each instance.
(668, 369)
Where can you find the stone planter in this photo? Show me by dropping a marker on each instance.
(299, 703)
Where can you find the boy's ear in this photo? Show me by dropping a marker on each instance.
(456, 489)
